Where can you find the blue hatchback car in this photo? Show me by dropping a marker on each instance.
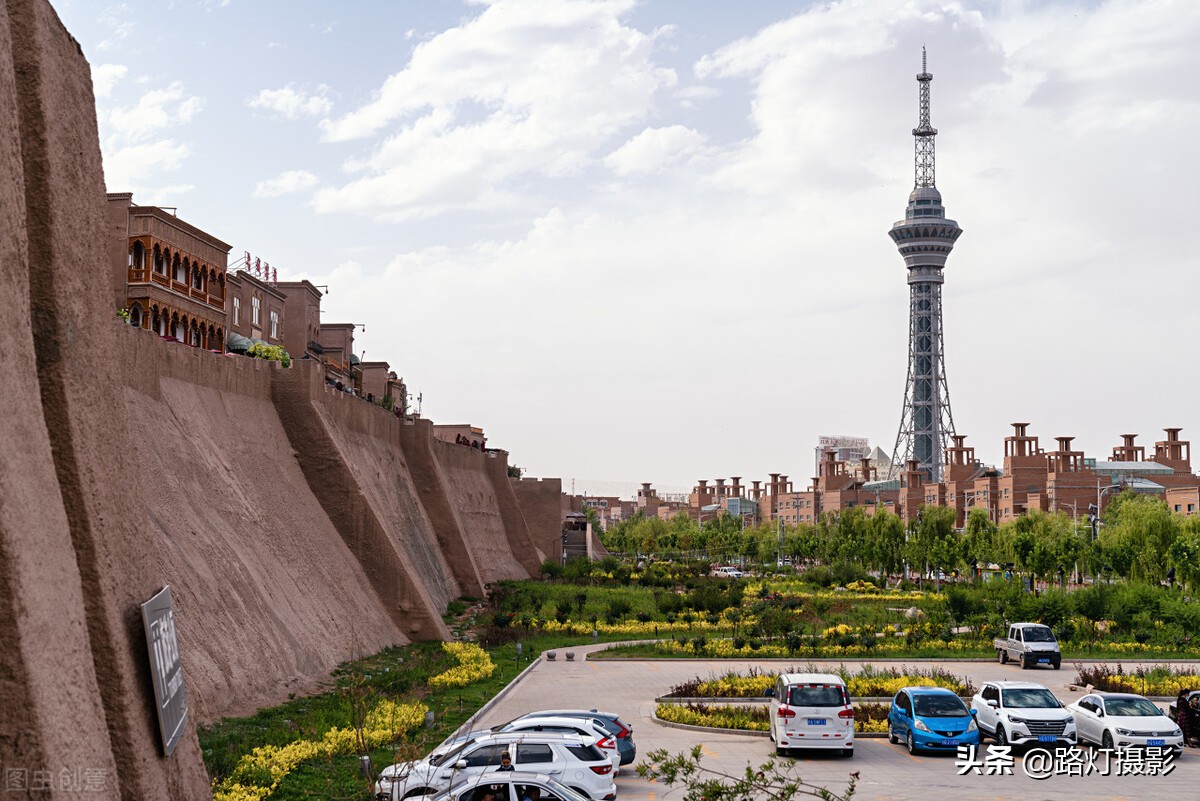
(931, 719)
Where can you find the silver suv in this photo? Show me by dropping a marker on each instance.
(570, 758)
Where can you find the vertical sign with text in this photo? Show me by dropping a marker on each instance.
(166, 669)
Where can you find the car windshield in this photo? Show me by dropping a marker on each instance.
(1039, 634)
(1131, 707)
(1040, 698)
(816, 695)
(451, 755)
(939, 706)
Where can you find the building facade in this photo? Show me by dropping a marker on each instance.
(168, 274)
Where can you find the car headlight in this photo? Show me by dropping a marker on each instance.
(971, 726)
(1069, 723)
(919, 725)
(1126, 732)
(1015, 719)
(1027, 649)
(1177, 733)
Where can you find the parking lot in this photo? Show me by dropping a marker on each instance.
(886, 771)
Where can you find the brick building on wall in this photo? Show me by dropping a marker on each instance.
(255, 312)
(167, 273)
(302, 310)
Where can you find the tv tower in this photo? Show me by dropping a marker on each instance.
(924, 238)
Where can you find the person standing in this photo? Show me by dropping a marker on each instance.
(1184, 716)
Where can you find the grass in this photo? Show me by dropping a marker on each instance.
(401, 674)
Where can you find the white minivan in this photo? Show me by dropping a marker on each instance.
(811, 710)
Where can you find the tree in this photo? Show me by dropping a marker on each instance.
(1184, 554)
(771, 780)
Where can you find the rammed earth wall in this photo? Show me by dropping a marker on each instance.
(295, 525)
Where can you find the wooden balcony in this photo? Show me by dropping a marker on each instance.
(160, 279)
(138, 276)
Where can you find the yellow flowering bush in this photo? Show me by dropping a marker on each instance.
(745, 718)
(840, 628)
(258, 773)
(635, 628)
(736, 686)
(473, 664)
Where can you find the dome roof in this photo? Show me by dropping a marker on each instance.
(925, 193)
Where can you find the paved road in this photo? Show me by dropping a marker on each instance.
(887, 772)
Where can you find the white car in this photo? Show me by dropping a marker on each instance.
(570, 758)
(1123, 720)
(509, 786)
(811, 710)
(584, 727)
(1022, 713)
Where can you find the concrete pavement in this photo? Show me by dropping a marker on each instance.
(887, 772)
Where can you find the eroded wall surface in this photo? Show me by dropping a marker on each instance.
(268, 597)
(77, 559)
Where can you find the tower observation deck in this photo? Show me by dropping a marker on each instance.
(924, 238)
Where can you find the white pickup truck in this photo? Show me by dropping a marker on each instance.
(1029, 644)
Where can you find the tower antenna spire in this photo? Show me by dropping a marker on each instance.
(924, 133)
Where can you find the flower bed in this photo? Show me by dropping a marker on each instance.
(260, 772)
(870, 682)
(1159, 680)
(474, 664)
(868, 718)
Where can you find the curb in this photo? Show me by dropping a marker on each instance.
(468, 724)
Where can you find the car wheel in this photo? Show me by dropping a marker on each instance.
(1024, 664)
(1003, 656)
(892, 737)
(1057, 665)
(1106, 742)
(1001, 737)
(912, 745)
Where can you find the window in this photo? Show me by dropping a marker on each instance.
(529, 753)
(485, 755)
(584, 753)
(255, 303)
(1191, 508)
(1177, 508)
(237, 310)
(275, 325)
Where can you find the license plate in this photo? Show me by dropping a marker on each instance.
(1043, 660)
(816, 721)
(1047, 738)
(948, 742)
(1153, 743)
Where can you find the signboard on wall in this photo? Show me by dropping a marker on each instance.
(166, 669)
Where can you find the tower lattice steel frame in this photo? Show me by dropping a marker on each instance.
(924, 238)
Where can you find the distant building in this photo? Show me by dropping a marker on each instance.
(461, 434)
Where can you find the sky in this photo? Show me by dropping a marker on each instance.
(647, 241)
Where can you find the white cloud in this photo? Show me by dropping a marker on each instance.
(293, 103)
(285, 183)
(136, 166)
(105, 77)
(521, 90)
(655, 148)
(155, 110)
(137, 151)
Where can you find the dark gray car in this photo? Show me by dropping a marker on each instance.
(610, 721)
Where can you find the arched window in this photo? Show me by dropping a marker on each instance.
(176, 328)
(160, 266)
(135, 315)
(179, 271)
(194, 339)
(137, 257)
(197, 277)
